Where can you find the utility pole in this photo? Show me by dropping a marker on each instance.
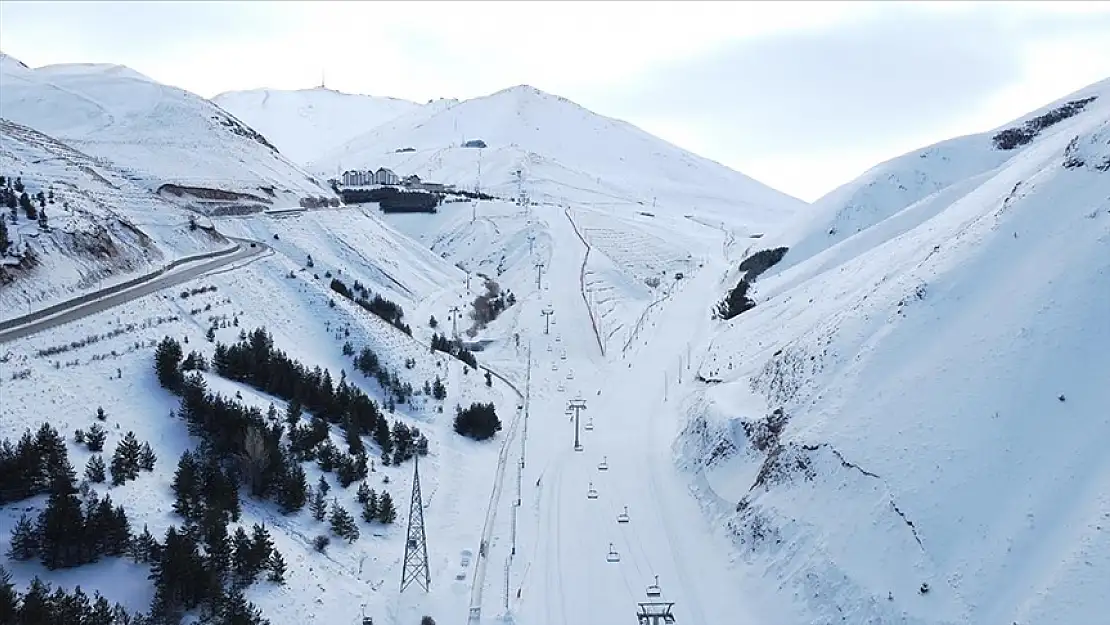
(416, 544)
(577, 405)
(539, 273)
(467, 282)
(473, 211)
(454, 321)
(547, 312)
(531, 244)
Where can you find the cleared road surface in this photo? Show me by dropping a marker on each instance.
(99, 301)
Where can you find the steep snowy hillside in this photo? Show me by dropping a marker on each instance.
(106, 361)
(930, 178)
(565, 153)
(100, 228)
(914, 433)
(168, 140)
(307, 124)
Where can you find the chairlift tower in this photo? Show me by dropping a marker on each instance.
(547, 312)
(656, 610)
(415, 568)
(539, 274)
(454, 321)
(577, 405)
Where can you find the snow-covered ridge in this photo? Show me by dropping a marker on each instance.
(565, 153)
(306, 124)
(157, 135)
(902, 181)
(902, 430)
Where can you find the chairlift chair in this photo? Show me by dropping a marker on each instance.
(558, 339)
(623, 516)
(561, 387)
(653, 590)
(604, 466)
(589, 424)
(592, 492)
(563, 355)
(548, 348)
(612, 556)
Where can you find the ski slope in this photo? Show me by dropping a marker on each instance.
(558, 572)
(307, 123)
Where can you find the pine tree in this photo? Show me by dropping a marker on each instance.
(28, 207)
(186, 486)
(343, 524)
(243, 558)
(94, 438)
(61, 531)
(36, 604)
(94, 470)
(144, 548)
(25, 540)
(386, 512)
(9, 598)
(363, 493)
(293, 412)
(125, 460)
(323, 486)
(100, 414)
(100, 613)
(293, 492)
(276, 566)
(439, 391)
(234, 609)
(319, 505)
(147, 457)
(44, 223)
(262, 548)
(370, 508)
(167, 360)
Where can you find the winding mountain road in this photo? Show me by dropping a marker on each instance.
(181, 270)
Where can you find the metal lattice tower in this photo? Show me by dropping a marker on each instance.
(416, 543)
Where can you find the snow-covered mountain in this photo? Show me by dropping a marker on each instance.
(565, 153)
(930, 178)
(101, 228)
(306, 124)
(909, 425)
(164, 138)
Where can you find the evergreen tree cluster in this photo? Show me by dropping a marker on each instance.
(375, 507)
(129, 458)
(490, 304)
(40, 606)
(389, 311)
(69, 532)
(368, 363)
(29, 467)
(479, 421)
(204, 568)
(440, 343)
(736, 302)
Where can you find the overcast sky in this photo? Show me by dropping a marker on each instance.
(801, 96)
